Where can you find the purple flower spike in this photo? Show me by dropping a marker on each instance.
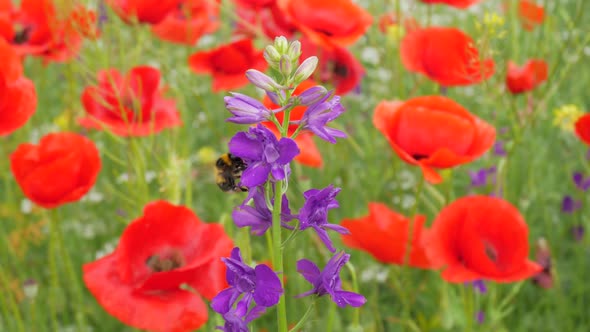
(578, 232)
(569, 205)
(246, 110)
(236, 320)
(260, 284)
(480, 286)
(328, 281)
(264, 155)
(317, 116)
(479, 178)
(499, 149)
(581, 182)
(259, 217)
(480, 316)
(314, 213)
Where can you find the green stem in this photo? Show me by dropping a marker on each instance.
(78, 305)
(12, 304)
(406, 266)
(356, 318)
(277, 260)
(468, 308)
(304, 318)
(53, 272)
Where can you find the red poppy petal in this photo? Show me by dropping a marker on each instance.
(583, 128)
(144, 80)
(309, 154)
(153, 233)
(166, 311)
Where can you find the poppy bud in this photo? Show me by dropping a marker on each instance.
(305, 70)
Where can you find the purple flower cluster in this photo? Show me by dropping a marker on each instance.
(260, 284)
(328, 281)
(267, 159)
(570, 205)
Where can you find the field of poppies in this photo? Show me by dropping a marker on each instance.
(294, 165)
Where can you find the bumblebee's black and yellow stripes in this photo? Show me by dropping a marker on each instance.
(229, 171)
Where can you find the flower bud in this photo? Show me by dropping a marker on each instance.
(262, 81)
(305, 69)
(285, 65)
(281, 44)
(294, 51)
(271, 55)
(312, 95)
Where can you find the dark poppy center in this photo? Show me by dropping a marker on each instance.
(168, 262)
(21, 34)
(340, 69)
(490, 252)
(419, 156)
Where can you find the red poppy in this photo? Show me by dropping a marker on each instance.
(131, 105)
(269, 18)
(38, 29)
(309, 154)
(384, 235)
(337, 66)
(18, 99)
(328, 22)
(188, 22)
(445, 55)
(454, 3)
(144, 11)
(60, 169)
(228, 64)
(530, 14)
(433, 132)
(583, 128)
(527, 77)
(481, 237)
(140, 282)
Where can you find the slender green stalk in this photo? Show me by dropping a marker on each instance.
(14, 311)
(406, 267)
(356, 318)
(304, 318)
(277, 260)
(53, 273)
(73, 280)
(468, 306)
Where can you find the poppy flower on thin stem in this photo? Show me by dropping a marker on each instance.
(530, 14)
(167, 247)
(383, 233)
(144, 11)
(328, 22)
(527, 77)
(19, 98)
(129, 105)
(481, 237)
(433, 132)
(445, 55)
(188, 22)
(228, 63)
(61, 169)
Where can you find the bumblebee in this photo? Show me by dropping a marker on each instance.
(229, 171)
